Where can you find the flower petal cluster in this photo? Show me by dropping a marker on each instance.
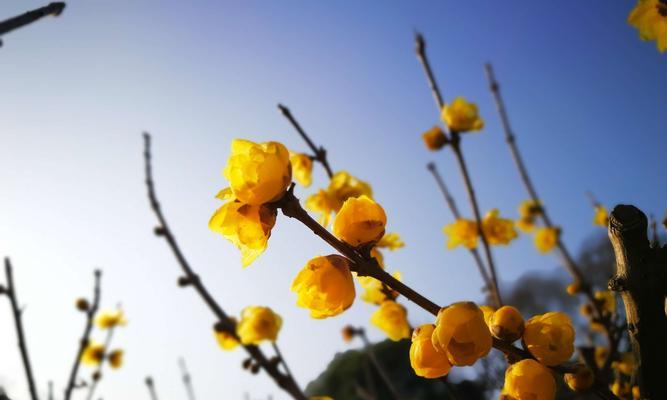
(507, 324)
(650, 18)
(529, 210)
(302, 168)
(325, 286)
(462, 232)
(425, 359)
(461, 333)
(392, 319)
(462, 116)
(360, 221)
(110, 319)
(330, 200)
(601, 216)
(550, 338)
(93, 354)
(528, 379)
(546, 238)
(258, 324)
(498, 231)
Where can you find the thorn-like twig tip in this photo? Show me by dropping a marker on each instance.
(283, 109)
(57, 8)
(420, 44)
(430, 166)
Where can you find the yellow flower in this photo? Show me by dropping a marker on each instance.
(620, 389)
(322, 203)
(343, 186)
(461, 116)
(116, 358)
(93, 354)
(375, 292)
(248, 227)
(550, 337)
(425, 360)
(528, 211)
(601, 216)
(546, 239)
(607, 300)
(636, 395)
(360, 221)
(226, 340)
(601, 354)
(434, 138)
(580, 379)
(506, 324)
(258, 173)
(488, 313)
(498, 230)
(463, 232)
(302, 168)
(461, 333)
(391, 241)
(625, 364)
(573, 288)
(529, 380)
(110, 319)
(650, 18)
(392, 319)
(258, 324)
(325, 286)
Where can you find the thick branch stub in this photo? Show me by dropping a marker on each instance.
(641, 278)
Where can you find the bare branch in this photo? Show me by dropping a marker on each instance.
(151, 388)
(29, 17)
(187, 379)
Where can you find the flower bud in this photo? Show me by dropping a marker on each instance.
(425, 360)
(462, 334)
(434, 138)
(392, 318)
(581, 379)
(360, 221)
(325, 286)
(461, 116)
(550, 338)
(258, 324)
(507, 324)
(528, 379)
(82, 304)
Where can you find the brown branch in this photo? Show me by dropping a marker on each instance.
(151, 388)
(455, 145)
(568, 262)
(451, 203)
(319, 153)
(85, 338)
(29, 17)
(368, 348)
(641, 278)
(192, 279)
(10, 291)
(187, 379)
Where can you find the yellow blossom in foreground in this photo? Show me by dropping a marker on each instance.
(434, 138)
(392, 319)
(461, 333)
(110, 319)
(248, 227)
(360, 221)
(226, 340)
(461, 116)
(650, 18)
(607, 300)
(498, 230)
(529, 380)
(391, 241)
(258, 173)
(425, 360)
(463, 232)
(550, 338)
(325, 286)
(116, 358)
(302, 168)
(626, 363)
(601, 216)
(506, 324)
(546, 239)
(93, 354)
(258, 324)
(581, 379)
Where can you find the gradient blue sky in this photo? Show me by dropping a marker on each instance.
(585, 96)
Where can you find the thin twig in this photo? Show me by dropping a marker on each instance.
(85, 338)
(192, 279)
(29, 17)
(568, 262)
(50, 392)
(368, 347)
(455, 144)
(10, 291)
(151, 388)
(319, 153)
(451, 203)
(187, 379)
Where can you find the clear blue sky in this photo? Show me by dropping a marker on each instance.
(585, 96)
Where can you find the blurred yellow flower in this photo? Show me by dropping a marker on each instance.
(529, 380)
(546, 239)
(506, 324)
(258, 324)
(626, 363)
(325, 286)
(322, 203)
(462, 116)
(463, 232)
(620, 389)
(573, 288)
(391, 241)
(425, 360)
(498, 230)
(248, 227)
(580, 379)
(528, 212)
(392, 319)
(226, 340)
(434, 138)
(488, 313)
(650, 18)
(601, 354)
(375, 292)
(461, 333)
(93, 354)
(258, 173)
(341, 187)
(360, 221)
(302, 168)
(601, 216)
(550, 337)
(607, 301)
(116, 358)
(110, 319)
(636, 394)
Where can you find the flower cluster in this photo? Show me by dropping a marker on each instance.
(257, 324)
(95, 353)
(650, 18)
